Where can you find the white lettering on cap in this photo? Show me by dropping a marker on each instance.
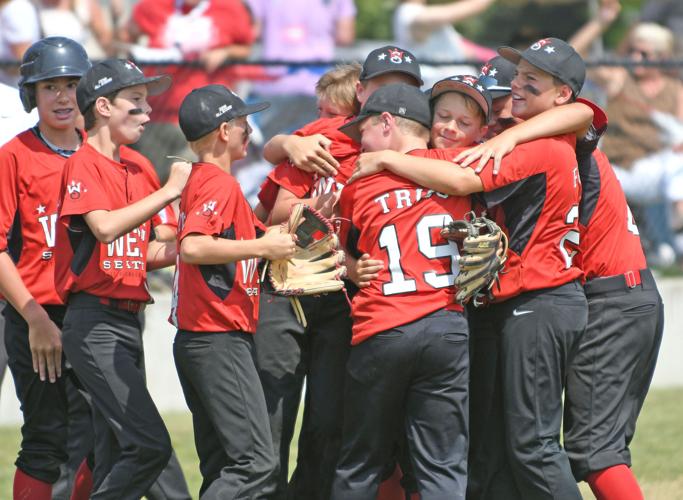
(223, 109)
(102, 82)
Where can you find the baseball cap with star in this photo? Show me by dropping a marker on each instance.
(464, 84)
(496, 76)
(390, 59)
(112, 75)
(553, 56)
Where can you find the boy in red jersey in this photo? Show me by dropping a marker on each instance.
(103, 252)
(31, 166)
(610, 374)
(216, 298)
(408, 368)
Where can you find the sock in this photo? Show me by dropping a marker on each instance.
(615, 483)
(391, 489)
(82, 486)
(30, 488)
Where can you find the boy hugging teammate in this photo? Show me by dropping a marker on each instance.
(408, 367)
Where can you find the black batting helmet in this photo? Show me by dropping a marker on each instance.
(51, 57)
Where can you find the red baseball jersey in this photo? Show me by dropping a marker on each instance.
(166, 216)
(220, 297)
(303, 184)
(118, 270)
(538, 191)
(30, 174)
(399, 222)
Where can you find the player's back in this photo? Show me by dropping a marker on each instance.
(398, 222)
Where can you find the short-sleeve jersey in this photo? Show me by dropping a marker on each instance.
(399, 223)
(303, 184)
(30, 175)
(217, 297)
(538, 191)
(117, 270)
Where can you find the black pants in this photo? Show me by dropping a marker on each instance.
(229, 415)
(3, 350)
(610, 376)
(44, 405)
(282, 358)
(522, 364)
(329, 331)
(412, 379)
(132, 445)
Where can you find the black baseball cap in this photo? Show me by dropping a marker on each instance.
(553, 56)
(399, 99)
(112, 75)
(390, 59)
(204, 109)
(497, 75)
(468, 85)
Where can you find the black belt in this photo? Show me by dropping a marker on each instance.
(630, 280)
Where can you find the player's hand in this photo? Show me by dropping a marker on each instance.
(276, 245)
(608, 12)
(370, 164)
(365, 271)
(495, 148)
(180, 172)
(311, 154)
(326, 203)
(45, 342)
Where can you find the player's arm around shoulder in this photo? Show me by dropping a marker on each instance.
(108, 225)
(309, 153)
(439, 174)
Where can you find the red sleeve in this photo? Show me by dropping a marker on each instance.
(82, 188)
(8, 194)
(210, 206)
(524, 161)
(342, 144)
(294, 180)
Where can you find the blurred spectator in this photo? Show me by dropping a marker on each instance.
(297, 30)
(644, 140)
(204, 32)
(668, 13)
(81, 20)
(428, 32)
(13, 118)
(19, 28)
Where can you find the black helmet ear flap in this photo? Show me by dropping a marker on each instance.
(27, 94)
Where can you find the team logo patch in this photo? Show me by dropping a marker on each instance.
(74, 188)
(130, 65)
(485, 69)
(223, 109)
(540, 44)
(208, 208)
(395, 56)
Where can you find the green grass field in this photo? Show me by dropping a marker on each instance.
(657, 448)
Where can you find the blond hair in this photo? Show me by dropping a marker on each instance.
(470, 104)
(338, 85)
(406, 126)
(658, 37)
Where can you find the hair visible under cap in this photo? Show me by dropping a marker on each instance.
(660, 38)
(89, 117)
(338, 85)
(470, 104)
(406, 126)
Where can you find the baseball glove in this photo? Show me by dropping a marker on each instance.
(483, 252)
(316, 266)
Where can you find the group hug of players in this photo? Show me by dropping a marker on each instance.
(407, 391)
